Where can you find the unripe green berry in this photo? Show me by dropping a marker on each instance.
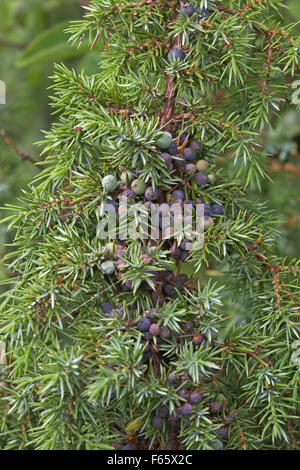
(212, 178)
(108, 267)
(138, 186)
(127, 177)
(109, 183)
(202, 165)
(164, 141)
(208, 222)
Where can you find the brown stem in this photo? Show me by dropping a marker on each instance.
(21, 154)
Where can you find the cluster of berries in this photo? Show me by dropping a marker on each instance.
(180, 156)
(188, 10)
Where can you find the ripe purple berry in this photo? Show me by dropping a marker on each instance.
(196, 398)
(154, 329)
(178, 194)
(201, 179)
(189, 154)
(152, 194)
(128, 194)
(187, 409)
(190, 168)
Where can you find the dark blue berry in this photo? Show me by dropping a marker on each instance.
(216, 209)
(172, 150)
(187, 9)
(143, 325)
(170, 290)
(201, 179)
(176, 54)
(107, 307)
(189, 154)
(204, 13)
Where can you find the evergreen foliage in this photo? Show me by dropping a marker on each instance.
(144, 355)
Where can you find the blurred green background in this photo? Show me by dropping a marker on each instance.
(32, 39)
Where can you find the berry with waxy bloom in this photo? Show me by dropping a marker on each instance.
(187, 409)
(143, 324)
(152, 194)
(168, 159)
(201, 179)
(128, 194)
(196, 398)
(138, 186)
(189, 154)
(165, 140)
(109, 183)
(190, 168)
(154, 329)
(108, 267)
